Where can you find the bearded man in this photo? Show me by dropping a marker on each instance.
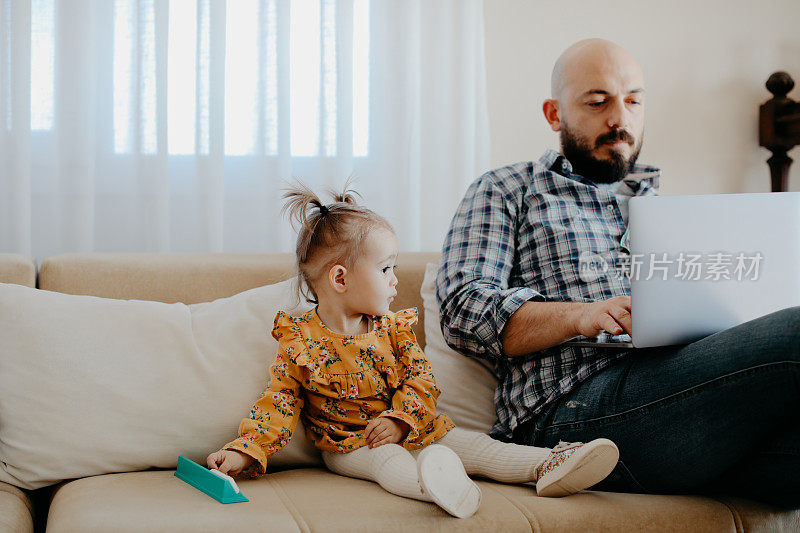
(720, 413)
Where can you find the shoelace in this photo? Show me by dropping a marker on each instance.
(561, 446)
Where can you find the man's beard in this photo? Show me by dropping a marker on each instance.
(579, 153)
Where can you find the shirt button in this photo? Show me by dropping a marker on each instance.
(610, 207)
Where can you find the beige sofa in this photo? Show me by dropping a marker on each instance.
(308, 499)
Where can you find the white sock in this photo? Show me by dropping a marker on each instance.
(389, 465)
(494, 459)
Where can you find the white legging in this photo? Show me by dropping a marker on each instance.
(395, 469)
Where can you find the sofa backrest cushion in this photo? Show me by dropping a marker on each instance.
(17, 268)
(467, 383)
(92, 385)
(194, 278)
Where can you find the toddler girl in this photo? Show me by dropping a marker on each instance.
(364, 388)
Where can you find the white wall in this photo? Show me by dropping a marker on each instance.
(705, 64)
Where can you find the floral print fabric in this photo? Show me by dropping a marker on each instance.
(338, 383)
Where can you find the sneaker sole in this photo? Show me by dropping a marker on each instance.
(586, 467)
(442, 476)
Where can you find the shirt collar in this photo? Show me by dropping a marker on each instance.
(640, 177)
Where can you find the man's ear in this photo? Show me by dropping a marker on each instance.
(336, 277)
(552, 113)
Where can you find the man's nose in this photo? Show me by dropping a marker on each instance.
(618, 115)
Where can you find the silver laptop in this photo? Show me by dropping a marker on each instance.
(702, 264)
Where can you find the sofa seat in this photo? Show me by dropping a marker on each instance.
(313, 499)
(308, 499)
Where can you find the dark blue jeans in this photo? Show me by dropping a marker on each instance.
(721, 414)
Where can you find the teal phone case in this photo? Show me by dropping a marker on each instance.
(202, 479)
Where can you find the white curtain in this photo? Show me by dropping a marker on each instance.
(171, 126)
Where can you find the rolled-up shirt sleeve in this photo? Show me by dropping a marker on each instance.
(478, 256)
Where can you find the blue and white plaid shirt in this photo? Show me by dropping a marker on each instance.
(517, 236)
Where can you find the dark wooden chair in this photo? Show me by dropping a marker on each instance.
(779, 128)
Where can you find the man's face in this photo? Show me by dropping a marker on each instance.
(599, 114)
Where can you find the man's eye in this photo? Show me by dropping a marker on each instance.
(635, 102)
(385, 269)
(596, 104)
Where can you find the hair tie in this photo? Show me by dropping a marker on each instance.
(323, 210)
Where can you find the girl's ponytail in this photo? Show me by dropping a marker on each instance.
(299, 197)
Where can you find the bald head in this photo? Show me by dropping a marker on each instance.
(587, 59)
(597, 106)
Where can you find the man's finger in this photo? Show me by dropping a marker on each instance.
(610, 324)
(623, 318)
(624, 301)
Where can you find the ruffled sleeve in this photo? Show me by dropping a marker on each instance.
(290, 338)
(414, 400)
(274, 416)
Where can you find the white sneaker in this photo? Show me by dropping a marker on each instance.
(443, 478)
(572, 467)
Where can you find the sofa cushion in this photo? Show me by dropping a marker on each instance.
(313, 499)
(308, 499)
(611, 511)
(755, 516)
(195, 278)
(92, 385)
(16, 511)
(170, 278)
(18, 268)
(467, 384)
(158, 501)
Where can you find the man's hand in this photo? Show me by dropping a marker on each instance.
(229, 462)
(613, 316)
(539, 325)
(385, 430)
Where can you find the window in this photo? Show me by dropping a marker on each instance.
(253, 103)
(257, 55)
(42, 62)
(6, 75)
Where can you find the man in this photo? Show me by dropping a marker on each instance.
(719, 412)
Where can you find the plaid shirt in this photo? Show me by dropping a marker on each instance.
(518, 235)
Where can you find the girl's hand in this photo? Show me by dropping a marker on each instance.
(229, 462)
(385, 430)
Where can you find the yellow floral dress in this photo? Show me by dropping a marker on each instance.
(338, 383)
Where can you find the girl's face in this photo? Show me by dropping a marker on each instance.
(371, 282)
